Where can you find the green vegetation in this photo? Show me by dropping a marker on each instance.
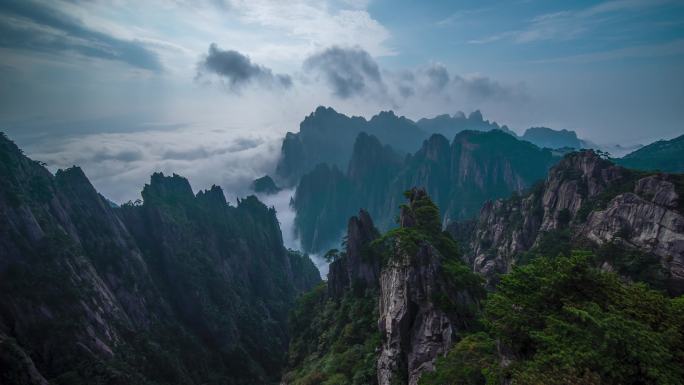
(563, 321)
(178, 289)
(333, 342)
(326, 197)
(426, 227)
(663, 155)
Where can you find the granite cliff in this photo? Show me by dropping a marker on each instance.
(409, 296)
(177, 289)
(588, 202)
(459, 176)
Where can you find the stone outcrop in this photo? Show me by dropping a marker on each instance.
(648, 220)
(356, 269)
(415, 329)
(596, 203)
(265, 185)
(326, 136)
(459, 176)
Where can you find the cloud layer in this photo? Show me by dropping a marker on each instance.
(28, 25)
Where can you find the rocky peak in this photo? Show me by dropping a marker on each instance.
(578, 177)
(167, 188)
(357, 269)
(386, 117)
(265, 185)
(547, 137)
(407, 216)
(213, 197)
(416, 325)
(595, 204)
(476, 116)
(73, 175)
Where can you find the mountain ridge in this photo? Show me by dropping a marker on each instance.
(90, 292)
(460, 175)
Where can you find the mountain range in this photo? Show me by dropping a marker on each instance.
(326, 136)
(592, 253)
(179, 288)
(341, 164)
(468, 255)
(460, 176)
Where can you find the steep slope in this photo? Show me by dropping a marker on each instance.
(631, 219)
(181, 289)
(427, 297)
(334, 327)
(663, 155)
(410, 283)
(326, 136)
(323, 202)
(460, 176)
(264, 185)
(563, 321)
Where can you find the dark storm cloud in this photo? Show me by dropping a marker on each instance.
(349, 71)
(28, 25)
(238, 70)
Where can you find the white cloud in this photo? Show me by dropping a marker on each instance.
(119, 164)
(569, 24)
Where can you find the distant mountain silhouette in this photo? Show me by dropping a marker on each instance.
(460, 176)
(663, 155)
(326, 136)
(545, 137)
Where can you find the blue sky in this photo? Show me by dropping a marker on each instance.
(129, 87)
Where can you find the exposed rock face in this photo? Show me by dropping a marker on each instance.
(326, 136)
(647, 220)
(357, 269)
(415, 329)
(593, 200)
(323, 204)
(459, 176)
(264, 185)
(409, 284)
(84, 286)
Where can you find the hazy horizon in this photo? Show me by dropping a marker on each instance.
(208, 89)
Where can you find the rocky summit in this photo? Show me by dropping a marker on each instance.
(592, 203)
